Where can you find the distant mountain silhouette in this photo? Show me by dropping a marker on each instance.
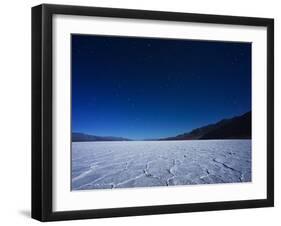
(239, 127)
(82, 137)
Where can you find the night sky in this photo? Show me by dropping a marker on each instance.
(144, 88)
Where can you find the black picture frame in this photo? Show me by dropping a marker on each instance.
(42, 111)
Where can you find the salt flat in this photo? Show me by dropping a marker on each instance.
(127, 164)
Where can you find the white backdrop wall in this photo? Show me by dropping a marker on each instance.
(15, 111)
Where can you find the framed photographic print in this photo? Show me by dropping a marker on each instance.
(145, 112)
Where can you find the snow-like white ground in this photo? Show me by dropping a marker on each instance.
(126, 164)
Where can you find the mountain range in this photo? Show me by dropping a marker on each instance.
(238, 127)
(80, 137)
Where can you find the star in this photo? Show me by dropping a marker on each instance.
(169, 77)
(235, 60)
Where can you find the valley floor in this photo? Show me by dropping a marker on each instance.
(128, 164)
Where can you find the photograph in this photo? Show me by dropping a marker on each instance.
(159, 112)
(141, 112)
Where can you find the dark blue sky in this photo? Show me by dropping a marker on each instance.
(150, 88)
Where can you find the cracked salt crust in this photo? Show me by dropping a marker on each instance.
(97, 165)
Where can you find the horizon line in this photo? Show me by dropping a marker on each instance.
(159, 138)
